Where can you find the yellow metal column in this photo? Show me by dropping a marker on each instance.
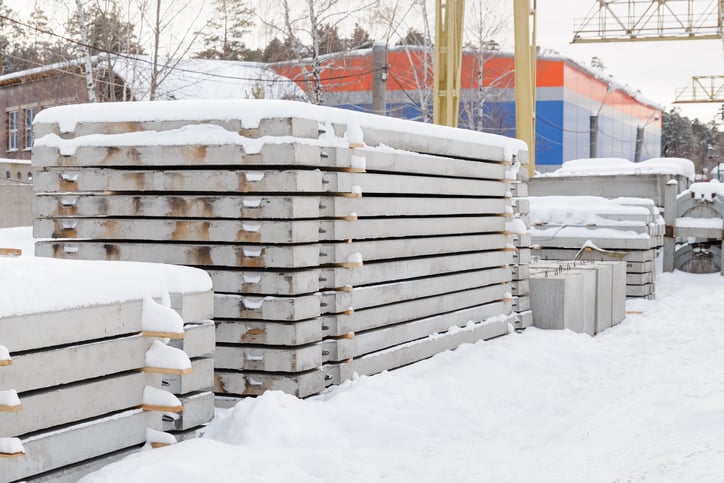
(448, 59)
(525, 68)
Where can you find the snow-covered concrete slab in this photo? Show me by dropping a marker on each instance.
(198, 409)
(269, 359)
(245, 383)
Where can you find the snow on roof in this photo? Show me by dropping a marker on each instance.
(706, 191)
(251, 112)
(605, 166)
(206, 79)
(34, 285)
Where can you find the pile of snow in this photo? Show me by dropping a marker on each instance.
(31, 285)
(640, 402)
(607, 166)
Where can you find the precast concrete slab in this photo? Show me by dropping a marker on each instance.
(521, 303)
(247, 383)
(375, 183)
(295, 153)
(57, 448)
(67, 404)
(551, 253)
(201, 378)
(381, 160)
(294, 308)
(640, 290)
(193, 306)
(48, 329)
(261, 231)
(76, 471)
(272, 126)
(198, 409)
(274, 256)
(73, 363)
(361, 343)
(269, 333)
(269, 359)
(384, 315)
(415, 351)
(94, 205)
(637, 242)
(71, 180)
(618, 291)
(519, 287)
(640, 278)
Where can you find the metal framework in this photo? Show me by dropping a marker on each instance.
(448, 59)
(525, 75)
(702, 89)
(642, 20)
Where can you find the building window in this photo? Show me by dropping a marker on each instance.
(12, 130)
(29, 116)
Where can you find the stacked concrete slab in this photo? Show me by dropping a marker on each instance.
(518, 228)
(337, 243)
(592, 228)
(81, 384)
(583, 296)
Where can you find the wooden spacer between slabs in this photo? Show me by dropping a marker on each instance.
(356, 145)
(164, 335)
(348, 335)
(351, 264)
(11, 455)
(353, 170)
(10, 252)
(349, 311)
(352, 195)
(344, 288)
(167, 370)
(350, 218)
(165, 409)
(6, 362)
(11, 409)
(160, 445)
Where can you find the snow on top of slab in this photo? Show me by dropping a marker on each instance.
(11, 446)
(707, 191)
(585, 232)
(153, 396)
(31, 285)
(608, 166)
(251, 112)
(4, 354)
(14, 161)
(9, 397)
(690, 222)
(582, 210)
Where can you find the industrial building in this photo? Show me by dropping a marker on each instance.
(580, 112)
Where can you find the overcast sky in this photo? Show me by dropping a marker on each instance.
(657, 69)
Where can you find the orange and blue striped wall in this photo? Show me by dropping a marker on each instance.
(568, 94)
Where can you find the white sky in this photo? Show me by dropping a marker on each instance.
(657, 69)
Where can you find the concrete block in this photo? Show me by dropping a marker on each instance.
(54, 449)
(256, 383)
(269, 359)
(47, 329)
(67, 404)
(201, 378)
(557, 300)
(523, 320)
(74, 363)
(193, 306)
(15, 204)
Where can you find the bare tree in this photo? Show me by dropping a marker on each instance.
(307, 21)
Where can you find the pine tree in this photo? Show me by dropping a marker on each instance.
(223, 35)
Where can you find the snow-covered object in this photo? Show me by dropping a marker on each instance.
(358, 162)
(161, 356)
(158, 399)
(355, 258)
(11, 446)
(9, 399)
(689, 222)
(354, 133)
(157, 438)
(584, 210)
(707, 191)
(5, 358)
(603, 166)
(156, 317)
(252, 303)
(516, 226)
(251, 112)
(30, 285)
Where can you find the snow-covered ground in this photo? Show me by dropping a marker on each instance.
(644, 401)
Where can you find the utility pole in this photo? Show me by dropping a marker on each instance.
(525, 74)
(89, 83)
(379, 78)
